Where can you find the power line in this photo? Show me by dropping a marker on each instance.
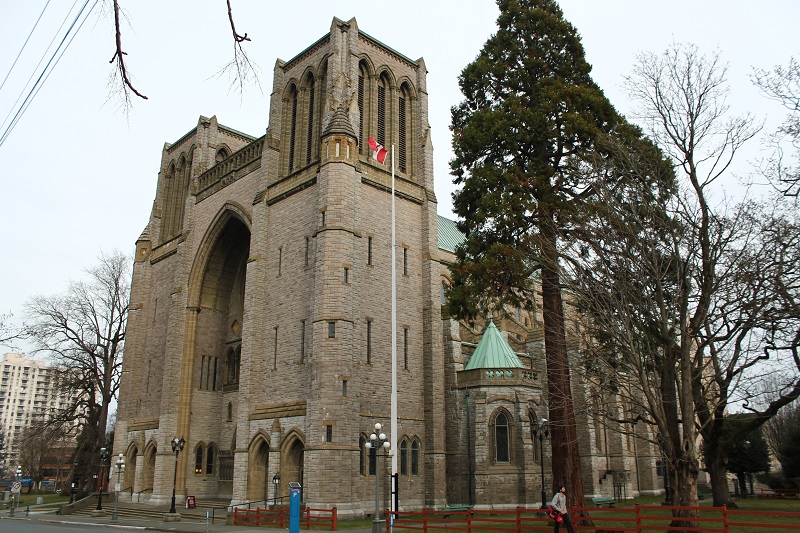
(36, 68)
(24, 44)
(42, 77)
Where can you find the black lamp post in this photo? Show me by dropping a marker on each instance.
(103, 459)
(377, 440)
(276, 480)
(667, 489)
(120, 465)
(541, 430)
(74, 482)
(177, 447)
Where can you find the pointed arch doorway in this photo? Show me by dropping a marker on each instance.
(292, 467)
(257, 470)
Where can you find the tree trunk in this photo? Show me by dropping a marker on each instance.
(717, 474)
(742, 477)
(566, 461)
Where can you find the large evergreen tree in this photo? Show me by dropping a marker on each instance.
(524, 138)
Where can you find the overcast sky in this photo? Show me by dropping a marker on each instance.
(77, 178)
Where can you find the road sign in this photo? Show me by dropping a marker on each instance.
(16, 487)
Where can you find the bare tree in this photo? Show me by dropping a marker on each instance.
(686, 300)
(682, 96)
(83, 331)
(38, 449)
(782, 84)
(9, 333)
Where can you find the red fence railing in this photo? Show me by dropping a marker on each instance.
(638, 519)
(279, 518)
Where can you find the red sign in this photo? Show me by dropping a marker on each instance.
(190, 502)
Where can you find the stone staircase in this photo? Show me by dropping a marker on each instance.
(156, 513)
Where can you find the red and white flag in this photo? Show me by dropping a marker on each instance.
(378, 151)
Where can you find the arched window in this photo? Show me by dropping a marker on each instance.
(404, 458)
(233, 360)
(198, 460)
(501, 438)
(221, 154)
(210, 460)
(361, 451)
(415, 457)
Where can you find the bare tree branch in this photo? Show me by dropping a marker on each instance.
(241, 69)
(120, 80)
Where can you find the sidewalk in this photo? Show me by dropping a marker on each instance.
(192, 526)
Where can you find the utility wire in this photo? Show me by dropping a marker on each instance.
(42, 78)
(39, 87)
(36, 69)
(24, 44)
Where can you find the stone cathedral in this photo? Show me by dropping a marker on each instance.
(260, 321)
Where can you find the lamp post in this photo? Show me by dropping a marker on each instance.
(18, 474)
(103, 458)
(667, 489)
(541, 430)
(120, 465)
(74, 482)
(377, 440)
(276, 480)
(177, 447)
(636, 457)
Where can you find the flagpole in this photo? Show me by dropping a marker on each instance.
(393, 432)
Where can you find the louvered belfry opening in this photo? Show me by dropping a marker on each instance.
(310, 132)
(361, 141)
(382, 114)
(401, 141)
(293, 132)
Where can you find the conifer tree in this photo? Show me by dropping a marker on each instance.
(523, 138)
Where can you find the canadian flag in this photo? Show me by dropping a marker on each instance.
(378, 151)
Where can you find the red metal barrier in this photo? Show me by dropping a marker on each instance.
(638, 519)
(279, 518)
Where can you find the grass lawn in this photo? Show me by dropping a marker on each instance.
(661, 525)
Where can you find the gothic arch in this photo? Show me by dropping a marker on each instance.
(292, 458)
(130, 455)
(229, 211)
(258, 467)
(149, 467)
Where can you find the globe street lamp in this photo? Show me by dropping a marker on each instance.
(103, 458)
(177, 447)
(120, 465)
(377, 440)
(541, 430)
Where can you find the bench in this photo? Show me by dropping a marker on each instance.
(605, 500)
(454, 509)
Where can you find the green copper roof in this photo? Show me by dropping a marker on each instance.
(493, 351)
(449, 236)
